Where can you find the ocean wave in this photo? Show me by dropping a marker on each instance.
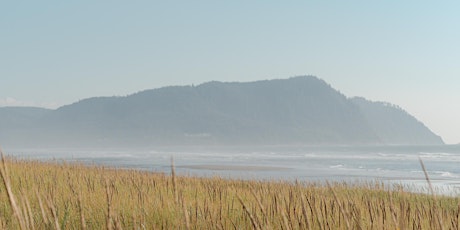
(440, 156)
(336, 166)
(446, 174)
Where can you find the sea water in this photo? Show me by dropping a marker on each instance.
(387, 164)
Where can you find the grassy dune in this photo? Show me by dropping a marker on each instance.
(37, 195)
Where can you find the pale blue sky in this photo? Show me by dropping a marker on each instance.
(404, 52)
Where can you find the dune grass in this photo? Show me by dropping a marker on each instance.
(50, 195)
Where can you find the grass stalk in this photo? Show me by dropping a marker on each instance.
(80, 210)
(12, 200)
(341, 208)
(174, 181)
(186, 214)
(254, 222)
(109, 196)
(433, 194)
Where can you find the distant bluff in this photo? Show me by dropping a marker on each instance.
(296, 111)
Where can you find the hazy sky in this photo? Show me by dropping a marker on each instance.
(404, 52)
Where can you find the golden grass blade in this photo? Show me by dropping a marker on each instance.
(186, 215)
(427, 178)
(261, 207)
(342, 210)
(52, 207)
(80, 209)
(29, 213)
(304, 212)
(109, 196)
(42, 209)
(174, 182)
(6, 182)
(255, 225)
(25, 213)
(285, 220)
(29, 210)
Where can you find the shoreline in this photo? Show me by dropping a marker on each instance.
(239, 168)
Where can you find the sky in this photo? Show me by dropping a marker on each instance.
(407, 53)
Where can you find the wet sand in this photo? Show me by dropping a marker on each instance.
(235, 167)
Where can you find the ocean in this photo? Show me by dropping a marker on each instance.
(390, 165)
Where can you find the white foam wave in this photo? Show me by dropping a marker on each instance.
(446, 174)
(336, 166)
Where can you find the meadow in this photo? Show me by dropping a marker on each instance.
(59, 195)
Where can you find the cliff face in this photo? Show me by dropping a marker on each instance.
(300, 110)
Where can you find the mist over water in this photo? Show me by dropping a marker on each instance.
(386, 164)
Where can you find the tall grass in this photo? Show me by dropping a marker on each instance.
(47, 195)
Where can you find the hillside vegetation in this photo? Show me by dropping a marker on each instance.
(300, 110)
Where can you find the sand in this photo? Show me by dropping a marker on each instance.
(235, 167)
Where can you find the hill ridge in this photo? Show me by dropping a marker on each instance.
(297, 110)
